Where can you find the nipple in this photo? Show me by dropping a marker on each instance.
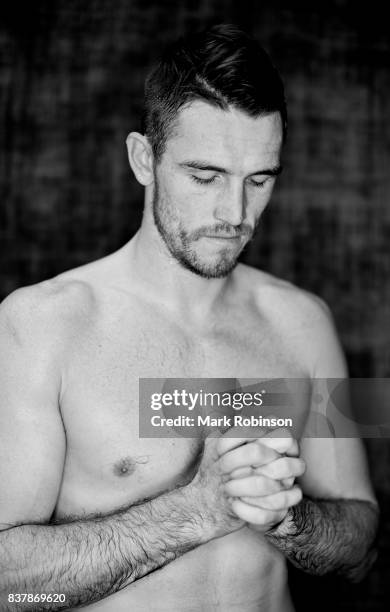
(124, 467)
(128, 465)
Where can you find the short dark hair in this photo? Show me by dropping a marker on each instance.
(223, 66)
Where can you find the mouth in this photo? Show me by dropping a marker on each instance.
(219, 237)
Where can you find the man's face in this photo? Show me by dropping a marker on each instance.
(212, 183)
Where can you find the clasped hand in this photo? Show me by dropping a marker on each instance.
(259, 476)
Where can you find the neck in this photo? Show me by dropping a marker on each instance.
(159, 276)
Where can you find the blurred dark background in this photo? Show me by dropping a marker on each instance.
(71, 78)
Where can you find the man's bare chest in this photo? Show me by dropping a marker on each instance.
(107, 463)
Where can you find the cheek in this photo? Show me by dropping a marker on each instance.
(257, 202)
(192, 204)
(174, 191)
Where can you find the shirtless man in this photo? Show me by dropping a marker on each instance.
(119, 523)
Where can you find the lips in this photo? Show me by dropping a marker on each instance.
(223, 237)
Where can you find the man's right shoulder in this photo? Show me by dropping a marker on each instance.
(53, 308)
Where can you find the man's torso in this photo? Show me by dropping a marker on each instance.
(121, 337)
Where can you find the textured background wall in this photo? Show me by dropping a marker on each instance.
(71, 76)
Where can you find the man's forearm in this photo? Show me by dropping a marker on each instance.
(325, 536)
(92, 558)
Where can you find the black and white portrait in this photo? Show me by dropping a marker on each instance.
(195, 306)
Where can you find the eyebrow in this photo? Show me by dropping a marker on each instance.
(199, 165)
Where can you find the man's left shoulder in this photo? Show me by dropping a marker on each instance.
(301, 322)
(286, 301)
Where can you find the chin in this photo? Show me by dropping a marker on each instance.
(207, 270)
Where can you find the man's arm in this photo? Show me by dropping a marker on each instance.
(329, 536)
(333, 527)
(88, 559)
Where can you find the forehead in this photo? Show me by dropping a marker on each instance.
(231, 137)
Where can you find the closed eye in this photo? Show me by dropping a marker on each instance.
(203, 181)
(212, 179)
(259, 184)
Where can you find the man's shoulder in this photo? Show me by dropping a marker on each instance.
(49, 308)
(284, 300)
(302, 319)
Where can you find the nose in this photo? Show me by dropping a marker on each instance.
(231, 207)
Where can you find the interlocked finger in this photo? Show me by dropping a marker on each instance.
(285, 467)
(241, 472)
(235, 437)
(256, 516)
(255, 486)
(251, 454)
(281, 441)
(277, 501)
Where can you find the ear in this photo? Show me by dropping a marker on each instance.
(140, 157)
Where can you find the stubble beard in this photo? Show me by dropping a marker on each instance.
(178, 242)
